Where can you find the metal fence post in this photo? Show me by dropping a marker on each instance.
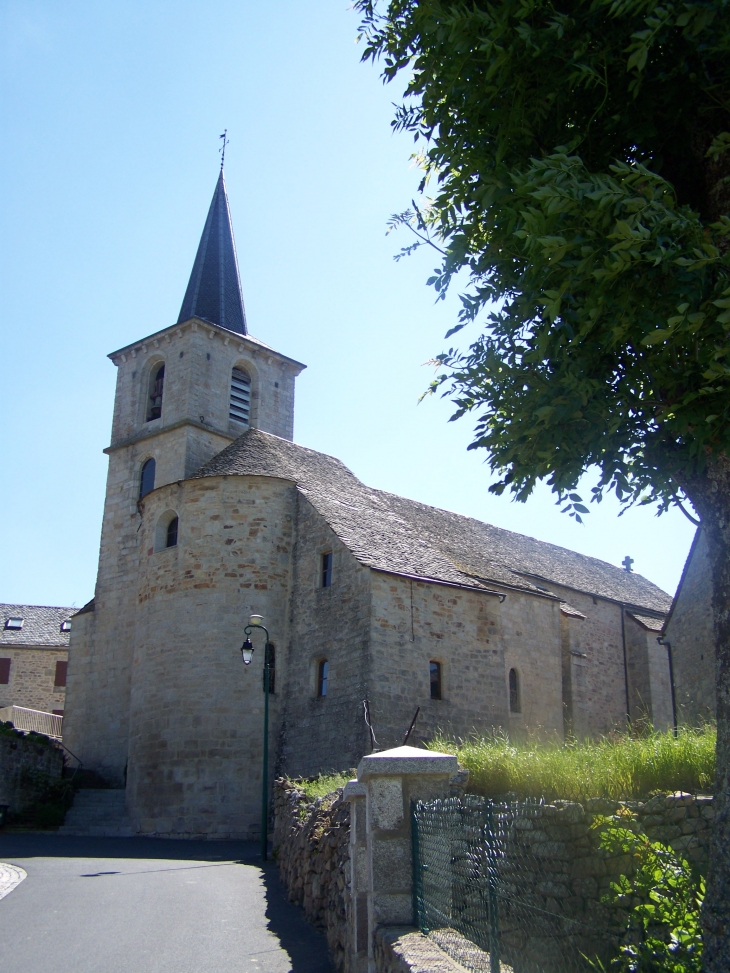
(491, 843)
(419, 916)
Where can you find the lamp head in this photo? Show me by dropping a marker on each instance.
(255, 621)
(247, 651)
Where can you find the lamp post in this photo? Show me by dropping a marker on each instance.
(256, 621)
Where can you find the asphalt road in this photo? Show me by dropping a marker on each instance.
(145, 905)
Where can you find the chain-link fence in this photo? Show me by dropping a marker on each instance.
(526, 886)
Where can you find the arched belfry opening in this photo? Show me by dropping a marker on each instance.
(157, 386)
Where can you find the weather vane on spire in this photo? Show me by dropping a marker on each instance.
(222, 149)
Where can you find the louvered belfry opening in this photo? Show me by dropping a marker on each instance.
(240, 405)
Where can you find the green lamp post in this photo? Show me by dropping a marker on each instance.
(256, 621)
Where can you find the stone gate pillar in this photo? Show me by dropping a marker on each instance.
(380, 839)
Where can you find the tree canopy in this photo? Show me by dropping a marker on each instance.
(577, 158)
(576, 154)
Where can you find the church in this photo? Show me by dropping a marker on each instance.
(213, 513)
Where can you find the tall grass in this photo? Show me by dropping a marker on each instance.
(619, 767)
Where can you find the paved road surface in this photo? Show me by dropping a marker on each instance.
(144, 905)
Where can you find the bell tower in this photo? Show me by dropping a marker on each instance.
(183, 394)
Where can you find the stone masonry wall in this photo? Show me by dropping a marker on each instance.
(325, 733)
(26, 765)
(196, 714)
(476, 640)
(553, 864)
(691, 634)
(32, 675)
(311, 842)
(193, 427)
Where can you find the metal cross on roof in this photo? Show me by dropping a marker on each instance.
(627, 562)
(222, 149)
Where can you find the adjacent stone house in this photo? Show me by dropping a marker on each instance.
(690, 637)
(33, 656)
(213, 512)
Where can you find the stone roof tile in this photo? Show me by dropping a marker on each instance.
(41, 625)
(391, 533)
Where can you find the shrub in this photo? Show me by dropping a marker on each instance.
(664, 925)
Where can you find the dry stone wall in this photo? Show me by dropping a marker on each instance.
(311, 841)
(554, 875)
(27, 765)
(553, 866)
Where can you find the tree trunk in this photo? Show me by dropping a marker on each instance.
(711, 499)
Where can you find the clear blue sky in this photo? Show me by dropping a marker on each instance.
(108, 159)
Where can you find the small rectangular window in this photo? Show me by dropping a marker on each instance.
(4, 671)
(66, 626)
(435, 671)
(322, 676)
(15, 623)
(60, 678)
(327, 569)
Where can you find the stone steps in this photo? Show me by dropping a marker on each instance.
(98, 813)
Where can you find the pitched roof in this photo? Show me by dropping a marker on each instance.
(41, 625)
(651, 624)
(391, 533)
(214, 289)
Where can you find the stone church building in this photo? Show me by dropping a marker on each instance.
(212, 513)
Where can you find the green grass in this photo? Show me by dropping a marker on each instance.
(324, 784)
(619, 767)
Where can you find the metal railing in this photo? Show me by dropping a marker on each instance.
(33, 721)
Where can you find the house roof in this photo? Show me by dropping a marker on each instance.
(41, 625)
(214, 290)
(391, 533)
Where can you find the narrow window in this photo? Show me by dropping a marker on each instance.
(147, 479)
(157, 385)
(435, 670)
(272, 669)
(322, 677)
(171, 537)
(66, 625)
(327, 569)
(4, 672)
(239, 408)
(515, 703)
(60, 678)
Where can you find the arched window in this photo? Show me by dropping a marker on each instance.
(157, 385)
(323, 671)
(171, 538)
(239, 408)
(147, 479)
(272, 669)
(435, 674)
(515, 703)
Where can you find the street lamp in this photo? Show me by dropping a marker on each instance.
(256, 621)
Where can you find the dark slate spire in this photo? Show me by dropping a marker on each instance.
(214, 289)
